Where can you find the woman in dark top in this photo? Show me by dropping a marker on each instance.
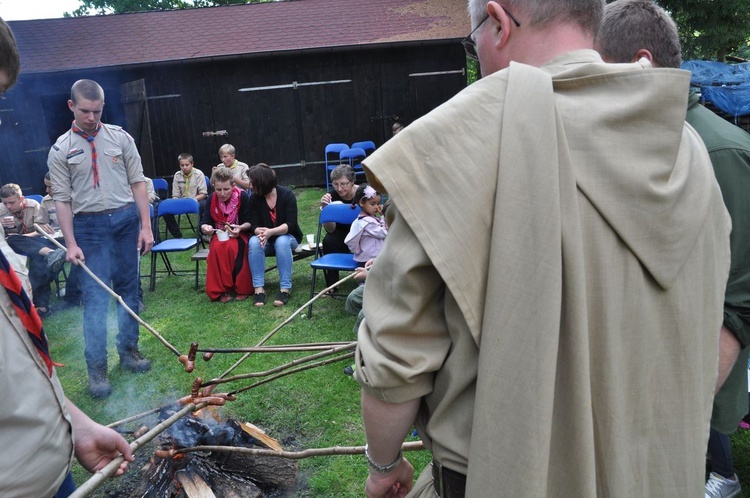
(226, 265)
(273, 220)
(344, 188)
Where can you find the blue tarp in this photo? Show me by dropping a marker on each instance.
(727, 86)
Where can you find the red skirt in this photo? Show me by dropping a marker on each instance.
(227, 268)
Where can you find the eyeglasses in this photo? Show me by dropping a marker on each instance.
(341, 185)
(470, 46)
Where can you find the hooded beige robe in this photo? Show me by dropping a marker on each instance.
(552, 282)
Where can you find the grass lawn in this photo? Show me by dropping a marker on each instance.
(312, 409)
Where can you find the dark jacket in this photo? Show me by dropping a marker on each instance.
(286, 212)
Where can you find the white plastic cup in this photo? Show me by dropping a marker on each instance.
(222, 235)
(311, 241)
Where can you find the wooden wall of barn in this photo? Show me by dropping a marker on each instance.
(289, 108)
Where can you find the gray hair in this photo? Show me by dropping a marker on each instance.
(587, 14)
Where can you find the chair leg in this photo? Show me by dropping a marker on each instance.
(152, 283)
(312, 293)
(196, 275)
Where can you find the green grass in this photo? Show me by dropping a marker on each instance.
(312, 409)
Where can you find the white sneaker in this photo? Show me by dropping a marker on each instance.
(721, 487)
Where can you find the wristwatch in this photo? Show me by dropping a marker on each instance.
(383, 469)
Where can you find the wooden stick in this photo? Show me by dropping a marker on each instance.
(271, 333)
(279, 368)
(275, 349)
(101, 475)
(298, 455)
(134, 417)
(290, 372)
(110, 291)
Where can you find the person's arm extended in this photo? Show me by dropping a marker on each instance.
(386, 425)
(65, 219)
(729, 349)
(96, 445)
(146, 237)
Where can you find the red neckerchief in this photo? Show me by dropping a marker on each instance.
(90, 140)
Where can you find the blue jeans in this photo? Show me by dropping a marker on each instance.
(66, 488)
(283, 247)
(110, 245)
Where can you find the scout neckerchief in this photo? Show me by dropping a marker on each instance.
(22, 216)
(25, 311)
(187, 183)
(90, 140)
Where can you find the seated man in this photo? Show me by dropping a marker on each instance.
(72, 296)
(189, 182)
(18, 216)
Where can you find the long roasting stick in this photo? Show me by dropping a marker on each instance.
(297, 455)
(271, 333)
(111, 292)
(329, 351)
(101, 475)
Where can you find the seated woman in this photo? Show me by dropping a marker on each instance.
(344, 188)
(226, 266)
(273, 215)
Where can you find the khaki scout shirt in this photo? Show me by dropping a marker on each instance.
(118, 162)
(196, 184)
(35, 425)
(30, 213)
(239, 170)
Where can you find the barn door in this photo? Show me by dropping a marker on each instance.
(137, 122)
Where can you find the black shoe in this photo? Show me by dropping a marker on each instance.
(134, 361)
(55, 261)
(282, 298)
(259, 299)
(43, 311)
(99, 386)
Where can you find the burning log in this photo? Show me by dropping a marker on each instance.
(202, 474)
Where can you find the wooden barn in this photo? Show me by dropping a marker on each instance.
(278, 80)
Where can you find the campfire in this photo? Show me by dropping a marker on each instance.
(175, 473)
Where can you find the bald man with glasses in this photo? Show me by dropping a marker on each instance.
(540, 313)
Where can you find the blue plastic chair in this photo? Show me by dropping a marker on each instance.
(337, 213)
(161, 184)
(38, 198)
(174, 207)
(332, 149)
(368, 146)
(354, 156)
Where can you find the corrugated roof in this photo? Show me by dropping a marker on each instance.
(49, 45)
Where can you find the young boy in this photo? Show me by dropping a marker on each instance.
(189, 182)
(239, 169)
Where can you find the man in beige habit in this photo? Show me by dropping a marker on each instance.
(556, 260)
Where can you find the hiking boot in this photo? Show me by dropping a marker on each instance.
(55, 261)
(720, 487)
(134, 361)
(99, 386)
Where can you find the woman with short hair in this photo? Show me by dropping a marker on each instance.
(273, 218)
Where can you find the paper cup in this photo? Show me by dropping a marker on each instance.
(222, 235)
(311, 241)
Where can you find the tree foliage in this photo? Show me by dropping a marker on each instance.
(121, 6)
(711, 29)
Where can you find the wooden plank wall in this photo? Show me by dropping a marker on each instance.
(281, 126)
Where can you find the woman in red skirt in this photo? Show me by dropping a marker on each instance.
(228, 219)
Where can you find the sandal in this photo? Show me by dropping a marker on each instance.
(282, 298)
(259, 299)
(240, 297)
(224, 298)
(43, 311)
